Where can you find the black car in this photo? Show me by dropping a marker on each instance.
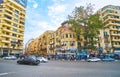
(31, 60)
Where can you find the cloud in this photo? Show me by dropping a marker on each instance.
(35, 5)
(57, 13)
(57, 9)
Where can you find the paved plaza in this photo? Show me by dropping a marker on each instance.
(9, 68)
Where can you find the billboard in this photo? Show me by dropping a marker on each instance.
(22, 2)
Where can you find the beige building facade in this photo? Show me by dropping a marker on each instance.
(110, 35)
(12, 22)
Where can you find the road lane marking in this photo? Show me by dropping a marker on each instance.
(6, 73)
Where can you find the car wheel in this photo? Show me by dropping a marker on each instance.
(31, 63)
(18, 62)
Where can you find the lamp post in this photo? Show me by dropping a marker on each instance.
(26, 45)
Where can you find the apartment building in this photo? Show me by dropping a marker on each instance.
(12, 23)
(61, 41)
(39, 45)
(65, 41)
(110, 35)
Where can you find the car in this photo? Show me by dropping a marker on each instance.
(11, 57)
(93, 59)
(108, 59)
(117, 55)
(42, 59)
(31, 60)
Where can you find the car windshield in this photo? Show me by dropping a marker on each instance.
(32, 57)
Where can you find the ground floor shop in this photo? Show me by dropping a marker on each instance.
(8, 51)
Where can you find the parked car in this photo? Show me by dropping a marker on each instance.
(28, 60)
(93, 59)
(108, 59)
(42, 59)
(11, 57)
(117, 55)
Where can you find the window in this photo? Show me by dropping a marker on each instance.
(15, 25)
(116, 12)
(7, 38)
(79, 44)
(16, 15)
(106, 45)
(63, 36)
(16, 11)
(15, 20)
(70, 36)
(78, 37)
(72, 43)
(57, 34)
(7, 16)
(118, 27)
(21, 22)
(6, 44)
(108, 11)
(118, 32)
(15, 30)
(8, 23)
(7, 33)
(105, 34)
(66, 35)
(13, 41)
(14, 35)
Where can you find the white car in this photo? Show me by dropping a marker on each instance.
(93, 59)
(42, 59)
(11, 57)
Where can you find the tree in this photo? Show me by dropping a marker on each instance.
(94, 25)
(86, 23)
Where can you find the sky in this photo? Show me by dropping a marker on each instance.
(42, 15)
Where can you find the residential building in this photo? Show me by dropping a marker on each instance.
(65, 41)
(32, 47)
(39, 45)
(12, 23)
(110, 35)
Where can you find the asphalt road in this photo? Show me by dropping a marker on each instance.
(9, 68)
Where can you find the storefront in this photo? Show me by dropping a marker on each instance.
(66, 53)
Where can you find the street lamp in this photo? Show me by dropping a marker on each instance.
(26, 45)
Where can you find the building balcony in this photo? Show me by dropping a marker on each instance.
(21, 29)
(112, 19)
(111, 24)
(10, 20)
(51, 48)
(7, 24)
(51, 43)
(5, 35)
(118, 46)
(6, 41)
(115, 39)
(9, 10)
(7, 30)
(5, 46)
(79, 39)
(17, 47)
(116, 29)
(113, 34)
(106, 41)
